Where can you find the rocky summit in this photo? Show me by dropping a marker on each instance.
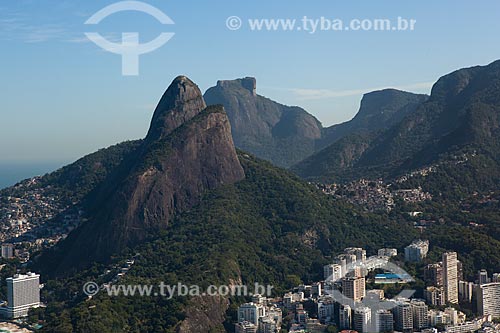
(285, 135)
(187, 151)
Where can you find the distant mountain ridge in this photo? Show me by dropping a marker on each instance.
(379, 110)
(286, 135)
(461, 116)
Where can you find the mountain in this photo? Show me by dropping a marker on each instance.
(461, 118)
(275, 132)
(286, 135)
(187, 151)
(189, 208)
(378, 110)
(271, 228)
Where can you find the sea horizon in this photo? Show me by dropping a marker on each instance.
(12, 173)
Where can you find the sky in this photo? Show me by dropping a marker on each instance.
(62, 96)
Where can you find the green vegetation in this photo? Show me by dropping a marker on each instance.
(270, 228)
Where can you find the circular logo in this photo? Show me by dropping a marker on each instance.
(90, 288)
(233, 23)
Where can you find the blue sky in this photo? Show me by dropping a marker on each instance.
(63, 97)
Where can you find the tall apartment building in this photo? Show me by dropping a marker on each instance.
(435, 296)
(488, 299)
(385, 321)
(354, 287)
(416, 251)
(403, 317)
(23, 293)
(419, 310)
(452, 314)
(345, 317)
(433, 274)
(332, 272)
(450, 276)
(482, 277)
(465, 291)
(326, 310)
(362, 319)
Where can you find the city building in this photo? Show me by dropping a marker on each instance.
(385, 321)
(349, 258)
(465, 291)
(420, 319)
(276, 314)
(496, 277)
(290, 298)
(450, 276)
(386, 252)
(377, 294)
(301, 315)
(258, 299)
(438, 318)
(354, 287)
(342, 261)
(433, 274)
(267, 325)
(435, 296)
(488, 299)
(416, 251)
(245, 327)
(23, 293)
(314, 326)
(362, 319)
(452, 316)
(358, 252)
(316, 290)
(332, 272)
(460, 271)
(251, 312)
(482, 277)
(7, 251)
(403, 317)
(345, 317)
(326, 310)
(469, 326)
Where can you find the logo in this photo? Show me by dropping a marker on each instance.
(129, 48)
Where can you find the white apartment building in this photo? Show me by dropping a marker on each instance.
(488, 299)
(450, 276)
(251, 312)
(23, 293)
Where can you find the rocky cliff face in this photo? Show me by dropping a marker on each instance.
(205, 314)
(286, 135)
(275, 132)
(188, 150)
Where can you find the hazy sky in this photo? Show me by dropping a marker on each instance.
(63, 97)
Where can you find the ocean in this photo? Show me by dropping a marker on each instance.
(13, 172)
